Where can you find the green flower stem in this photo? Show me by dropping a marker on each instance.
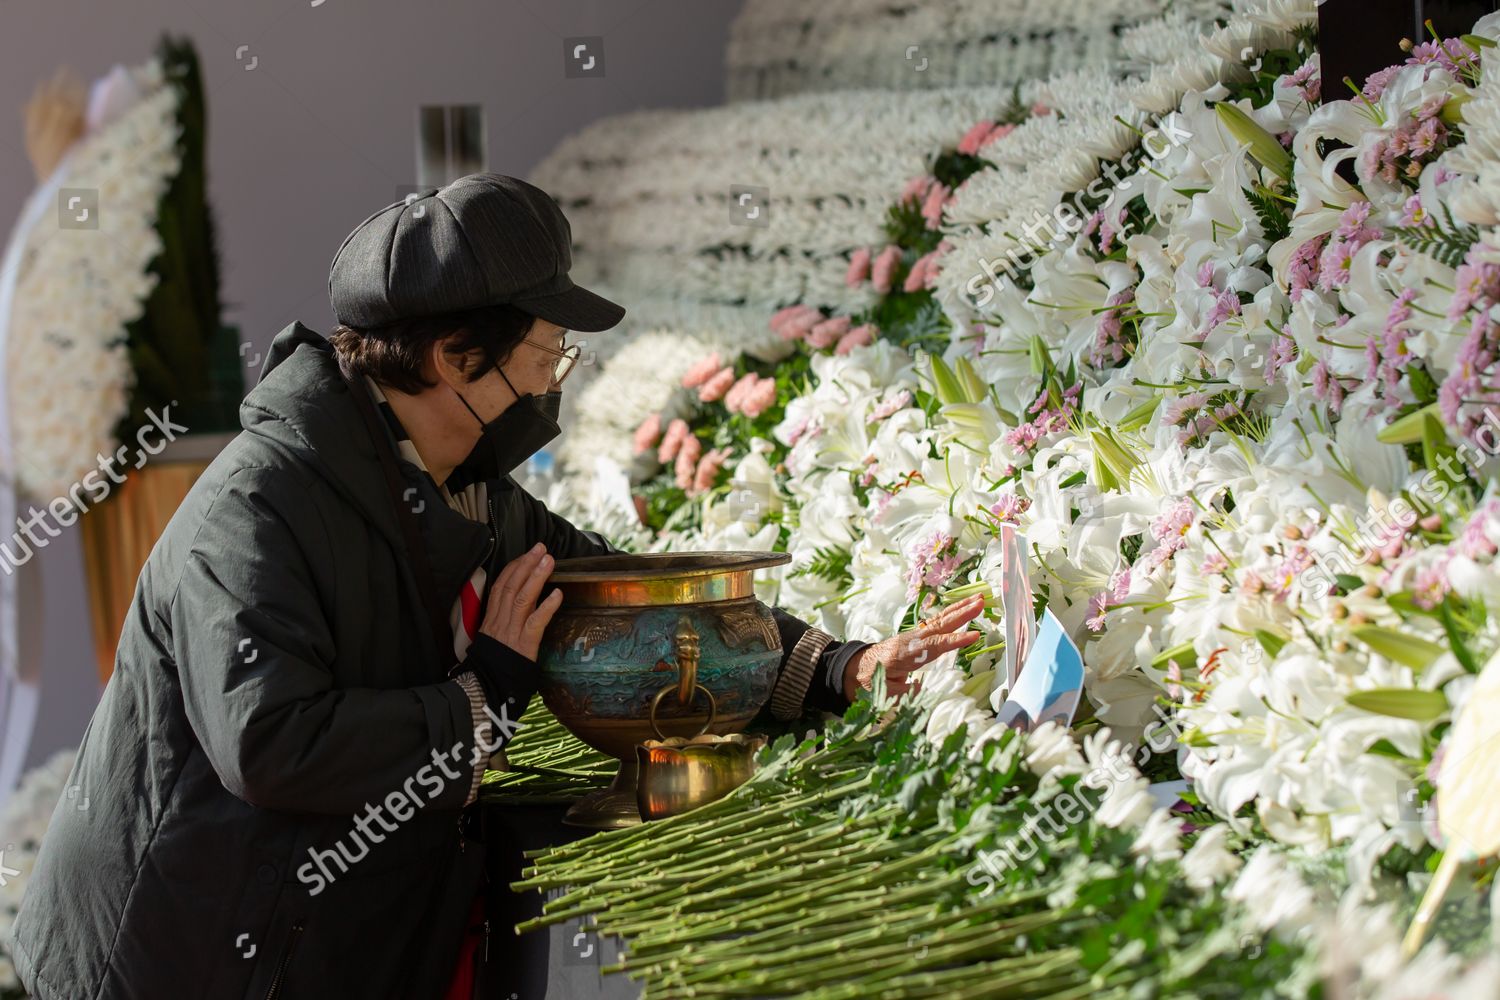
(880, 940)
(776, 929)
(750, 830)
(906, 977)
(702, 867)
(634, 867)
(843, 879)
(582, 858)
(1016, 976)
(609, 841)
(841, 859)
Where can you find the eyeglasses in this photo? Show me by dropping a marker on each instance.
(567, 358)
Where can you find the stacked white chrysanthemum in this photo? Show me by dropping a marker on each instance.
(69, 371)
(781, 47)
(649, 198)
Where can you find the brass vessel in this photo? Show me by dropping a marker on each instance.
(656, 645)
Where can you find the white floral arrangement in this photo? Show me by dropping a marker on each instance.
(24, 822)
(1283, 633)
(618, 392)
(69, 373)
(1192, 405)
(648, 195)
(780, 47)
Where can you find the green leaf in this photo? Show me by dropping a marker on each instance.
(1263, 145)
(1444, 241)
(830, 563)
(1183, 654)
(1401, 703)
(1041, 360)
(1402, 647)
(1271, 213)
(1104, 479)
(1461, 651)
(1437, 452)
(1385, 748)
(1269, 641)
(1452, 112)
(975, 389)
(945, 383)
(1407, 430)
(1141, 415)
(1115, 457)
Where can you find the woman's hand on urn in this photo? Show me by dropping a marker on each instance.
(913, 649)
(514, 616)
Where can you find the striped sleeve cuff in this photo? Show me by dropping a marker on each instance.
(796, 676)
(481, 724)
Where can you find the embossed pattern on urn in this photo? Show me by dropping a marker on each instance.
(602, 668)
(631, 625)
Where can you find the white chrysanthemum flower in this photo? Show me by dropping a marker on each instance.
(1126, 804)
(1158, 839)
(1208, 862)
(1051, 749)
(1272, 894)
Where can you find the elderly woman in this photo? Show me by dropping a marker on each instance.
(336, 630)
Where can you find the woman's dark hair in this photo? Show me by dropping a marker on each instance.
(393, 354)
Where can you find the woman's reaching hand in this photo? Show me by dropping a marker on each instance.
(914, 648)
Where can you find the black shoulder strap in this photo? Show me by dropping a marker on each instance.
(416, 552)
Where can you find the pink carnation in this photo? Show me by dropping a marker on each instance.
(798, 326)
(934, 265)
(677, 432)
(781, 316)
(702, 371)
(648, 433)
(974, 138)
(687, 462)
(924, 271)
(860, 336)
(786, 321)
(932, 207)
(825, 333)
(999, 132)
(708, 470)
(735, 397)
(714, 389)
(859, 267)
(917, 187)
(884, 268)
(759, 398)
(917, 276)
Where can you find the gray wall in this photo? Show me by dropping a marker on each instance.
(318, 136)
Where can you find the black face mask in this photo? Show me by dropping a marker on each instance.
(523, 429)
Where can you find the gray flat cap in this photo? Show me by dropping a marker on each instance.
(485, 239)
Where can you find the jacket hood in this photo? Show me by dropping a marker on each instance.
(304, 406)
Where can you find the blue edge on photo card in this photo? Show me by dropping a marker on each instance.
(1051, 680)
